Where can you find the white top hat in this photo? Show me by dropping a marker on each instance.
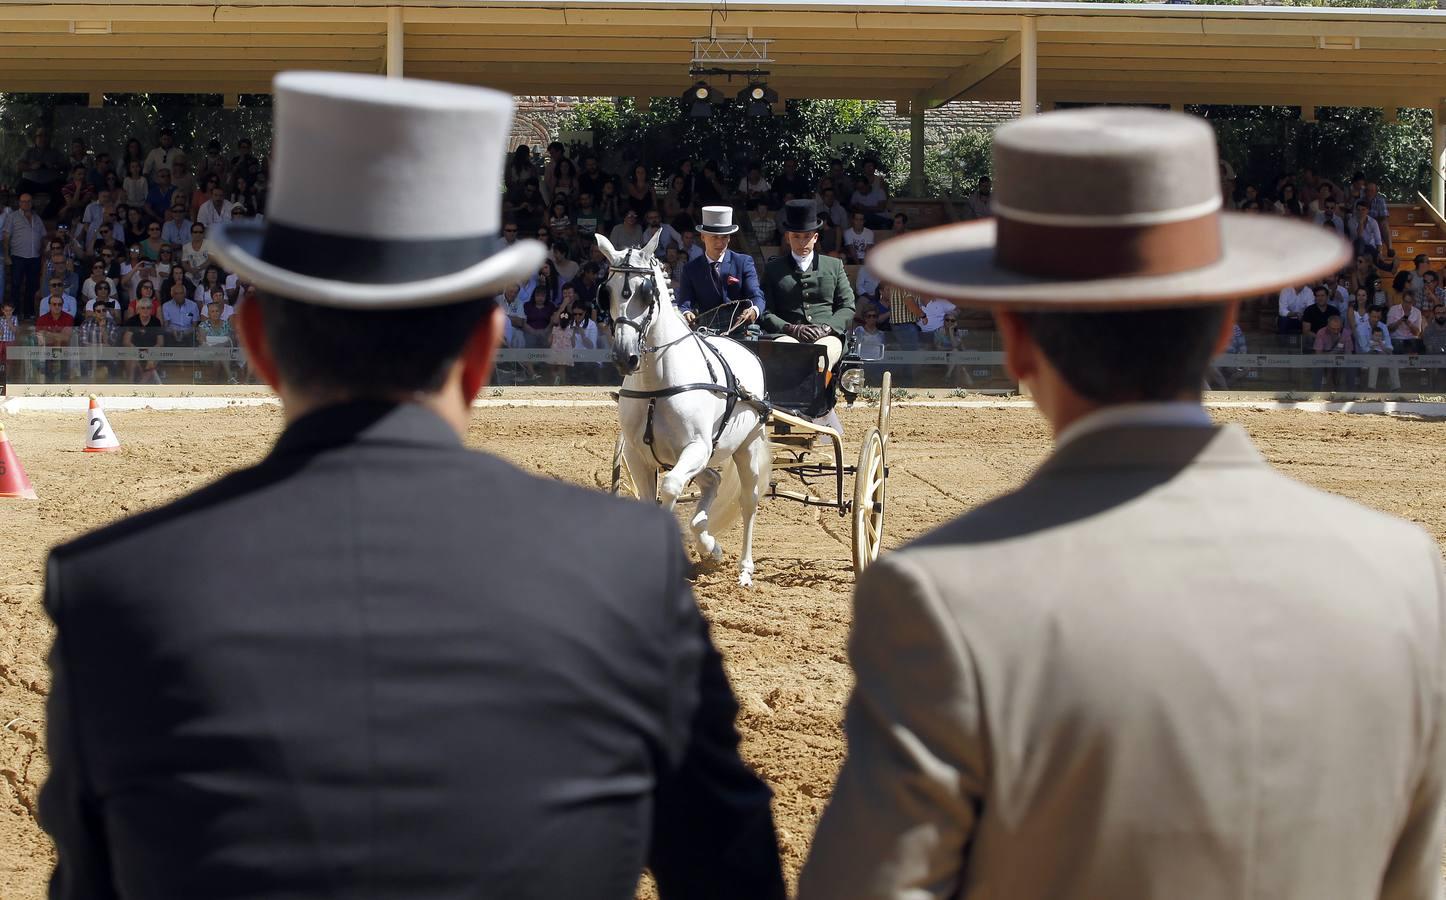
(385, 193)
(717, 220)
(1108, 208)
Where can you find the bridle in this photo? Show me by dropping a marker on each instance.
(648, 289)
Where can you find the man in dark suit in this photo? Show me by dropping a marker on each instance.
(807, 295)
(386, 687)
(720, 277)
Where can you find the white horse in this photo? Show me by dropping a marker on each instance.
(678, 409)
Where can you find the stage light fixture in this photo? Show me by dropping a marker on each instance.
(698, 100)
(758, 99)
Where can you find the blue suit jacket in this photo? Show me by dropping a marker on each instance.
(697, 290)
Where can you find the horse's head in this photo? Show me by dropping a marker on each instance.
(633, 299)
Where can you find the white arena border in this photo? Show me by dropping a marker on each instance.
(16, 405)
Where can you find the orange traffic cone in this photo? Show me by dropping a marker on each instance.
(100, 436)
(13, 482)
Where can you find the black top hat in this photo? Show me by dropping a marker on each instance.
(801, 215)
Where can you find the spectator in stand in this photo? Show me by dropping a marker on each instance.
(41, 168)
(591, 179)
(764, 225)
(668, 235)
(145, 293)
(183, 181)
(901, 224)
(97, 279)
(1405, 323)
(834, 213)
(134, 153)
(62, 269)
(1363, 276)
(1333, 339)
(566, 269)
(677, 203)
(151, 246)
(1315, 316)
(103, 170)
(177, 227)
(135, 222)
(857, 240)
(1418, 276)
(214, 332)
(1363, 230)
(213, 164)
(105, 297)
(628, 233)
(135, 185)
(1433, 335)
(245, 164)
(609, 206)
(1251, 199)
(22, 243)
(558, 221)
(1330, 218)
(203, 195)
(537, 319)
(903, 315)
(218, 295)
(180, 314)
(216, 210)
(1289, 203)
(1379, 211)
(195, 255)
(1324, 194)
(711, 190)
(586, 217)
(588, 282)
(158, 198)
(211, 278)
(692, 249)
(76, 194)
(98, 328)
(57, 293)
(1337, 293)
(870, 198)
(9, 330)
(242, 194)
(143, 330)
(950, 337)
(790, 180)
(1293, 302)
(868, 336)
(177, 276)
(162, 157)
(54, 328)
(754, 186)
(978, 204)
(640, 197)
(519, 169)
(528, 209)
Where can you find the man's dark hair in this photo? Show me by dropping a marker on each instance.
(1136, 356)
(367, 353)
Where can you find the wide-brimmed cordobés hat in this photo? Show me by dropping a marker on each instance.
(1108, 209)
(385, 194)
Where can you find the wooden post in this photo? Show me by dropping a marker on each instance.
(1028, 66)
(396, 42)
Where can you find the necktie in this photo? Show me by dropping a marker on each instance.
(718, 276)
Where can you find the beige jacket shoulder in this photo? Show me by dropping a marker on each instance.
(1160, 669)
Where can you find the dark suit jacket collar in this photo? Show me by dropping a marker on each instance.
(1143, 446)
(366, 422)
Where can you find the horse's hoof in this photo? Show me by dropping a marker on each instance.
(745, 579)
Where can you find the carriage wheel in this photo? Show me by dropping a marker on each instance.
(622, 479)
(868, 508)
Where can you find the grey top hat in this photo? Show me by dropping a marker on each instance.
(329, 243)
(1105, 209)
(717, 220)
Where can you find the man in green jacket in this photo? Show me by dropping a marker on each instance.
(807, 296)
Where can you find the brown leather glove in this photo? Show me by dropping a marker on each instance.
(794, 331)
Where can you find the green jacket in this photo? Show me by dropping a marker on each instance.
(821, 296)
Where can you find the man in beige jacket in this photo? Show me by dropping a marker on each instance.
(1118, 681)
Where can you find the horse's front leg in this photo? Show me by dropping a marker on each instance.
(707, 483)
(643, 469)
(691, 461)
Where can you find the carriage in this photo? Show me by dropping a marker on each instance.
(801, 394)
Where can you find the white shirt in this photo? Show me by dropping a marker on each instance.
(1136, 415)
(761, 186)
(695, 251)
(1295, 300)
(161, 158)
(934, 312)
(183, 317)
(208, 215)
(804, 263)
(868, 281)
(859, 241)
(67, 303)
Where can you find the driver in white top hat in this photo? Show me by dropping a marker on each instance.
(720, 279)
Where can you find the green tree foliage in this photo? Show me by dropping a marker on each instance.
(953, 169)
(664, 134)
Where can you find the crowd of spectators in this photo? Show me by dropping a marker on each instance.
(99, 252)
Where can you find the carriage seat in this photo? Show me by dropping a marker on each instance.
(793, 375)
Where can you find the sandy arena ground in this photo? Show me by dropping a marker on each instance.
(784, 641)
